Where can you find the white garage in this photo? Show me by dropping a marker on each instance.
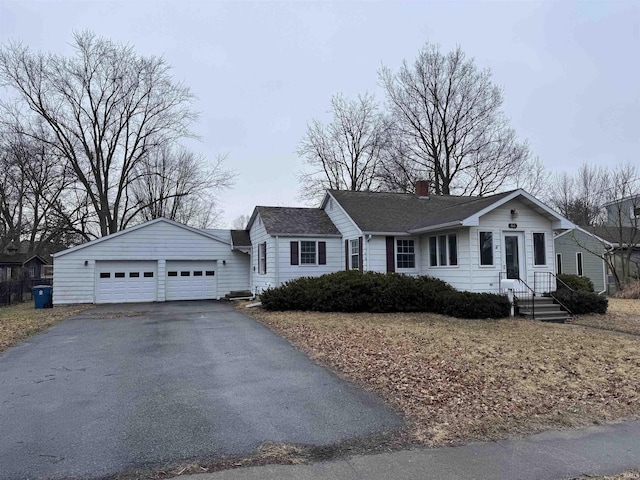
(157, 261)
(121, 282)
(191, 280)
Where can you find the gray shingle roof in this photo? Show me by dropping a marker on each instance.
(18, 258)
(240, 238)
(296, 221)
(613, 234)
(400, 212)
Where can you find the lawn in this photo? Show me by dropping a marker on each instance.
(461, 380)
(623, 315)
(20, 321)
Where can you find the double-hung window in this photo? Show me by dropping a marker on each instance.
(486, 248)
(539, 250)
(443, 250)
(405, 253)
(354, 250)
(262, 258)
(307, 253)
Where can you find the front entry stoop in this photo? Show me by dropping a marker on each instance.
(546, 309)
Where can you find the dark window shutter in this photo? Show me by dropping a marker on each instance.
(294, 253)
(360, 254)
(265, 257)
(391, 263)
(346, 254)
(322, 253)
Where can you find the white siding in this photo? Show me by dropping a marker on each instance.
(347, 228)
(485, 279)
(258, 234)
(74, 282)
(376, 254)
(458, 276)
(335, 260)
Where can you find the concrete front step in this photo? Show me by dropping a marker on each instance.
(238, 294)
(546, 310)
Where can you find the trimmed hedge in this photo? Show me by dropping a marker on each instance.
(354, 291)
(582, 302)
(579, 284)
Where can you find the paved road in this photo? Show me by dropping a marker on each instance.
(189, 380)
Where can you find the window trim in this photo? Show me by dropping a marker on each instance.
(493, 260)
(544, 247)
(558, 263)
(579, 264)
(262, 258)
(356, 256)
(315, 253)
(413, 254)
(443, 240)
(295, 253)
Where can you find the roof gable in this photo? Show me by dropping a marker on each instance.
(19, 258)
(381, 212)
(138, 227)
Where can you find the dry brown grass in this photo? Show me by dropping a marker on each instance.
(623, 315)
(18, 322)
(458, 380)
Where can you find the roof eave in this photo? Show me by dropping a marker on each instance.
(138, 227)
(286, 234)
(386, 234)
(440, 226)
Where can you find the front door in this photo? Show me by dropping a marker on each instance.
(514, 255)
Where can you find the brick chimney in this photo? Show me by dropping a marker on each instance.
(422, 188)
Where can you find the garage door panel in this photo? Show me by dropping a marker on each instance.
(124, 282)
(191, 280)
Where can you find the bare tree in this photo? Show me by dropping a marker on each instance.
(33, 192)
(105, 108)
(580, 197)
(447, 114)
(177, 184)
(344, 154)
(241, 222)
(607, 203)
(531, 175)
(622, 222)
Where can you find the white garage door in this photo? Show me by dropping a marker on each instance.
(191, 280)
(121, 282)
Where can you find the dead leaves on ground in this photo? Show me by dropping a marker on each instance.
(457, 380)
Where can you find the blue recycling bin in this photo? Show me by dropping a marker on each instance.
(42, 296)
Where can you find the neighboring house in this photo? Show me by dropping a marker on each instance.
(617, 241)
(624, 212)
(580, 252)
(624, 252)
(470, 242)
(15, 265)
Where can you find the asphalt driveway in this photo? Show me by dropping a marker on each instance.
(143, 386)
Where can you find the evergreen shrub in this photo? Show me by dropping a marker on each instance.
(354, 291)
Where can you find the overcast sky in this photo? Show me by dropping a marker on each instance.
(262, 70)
